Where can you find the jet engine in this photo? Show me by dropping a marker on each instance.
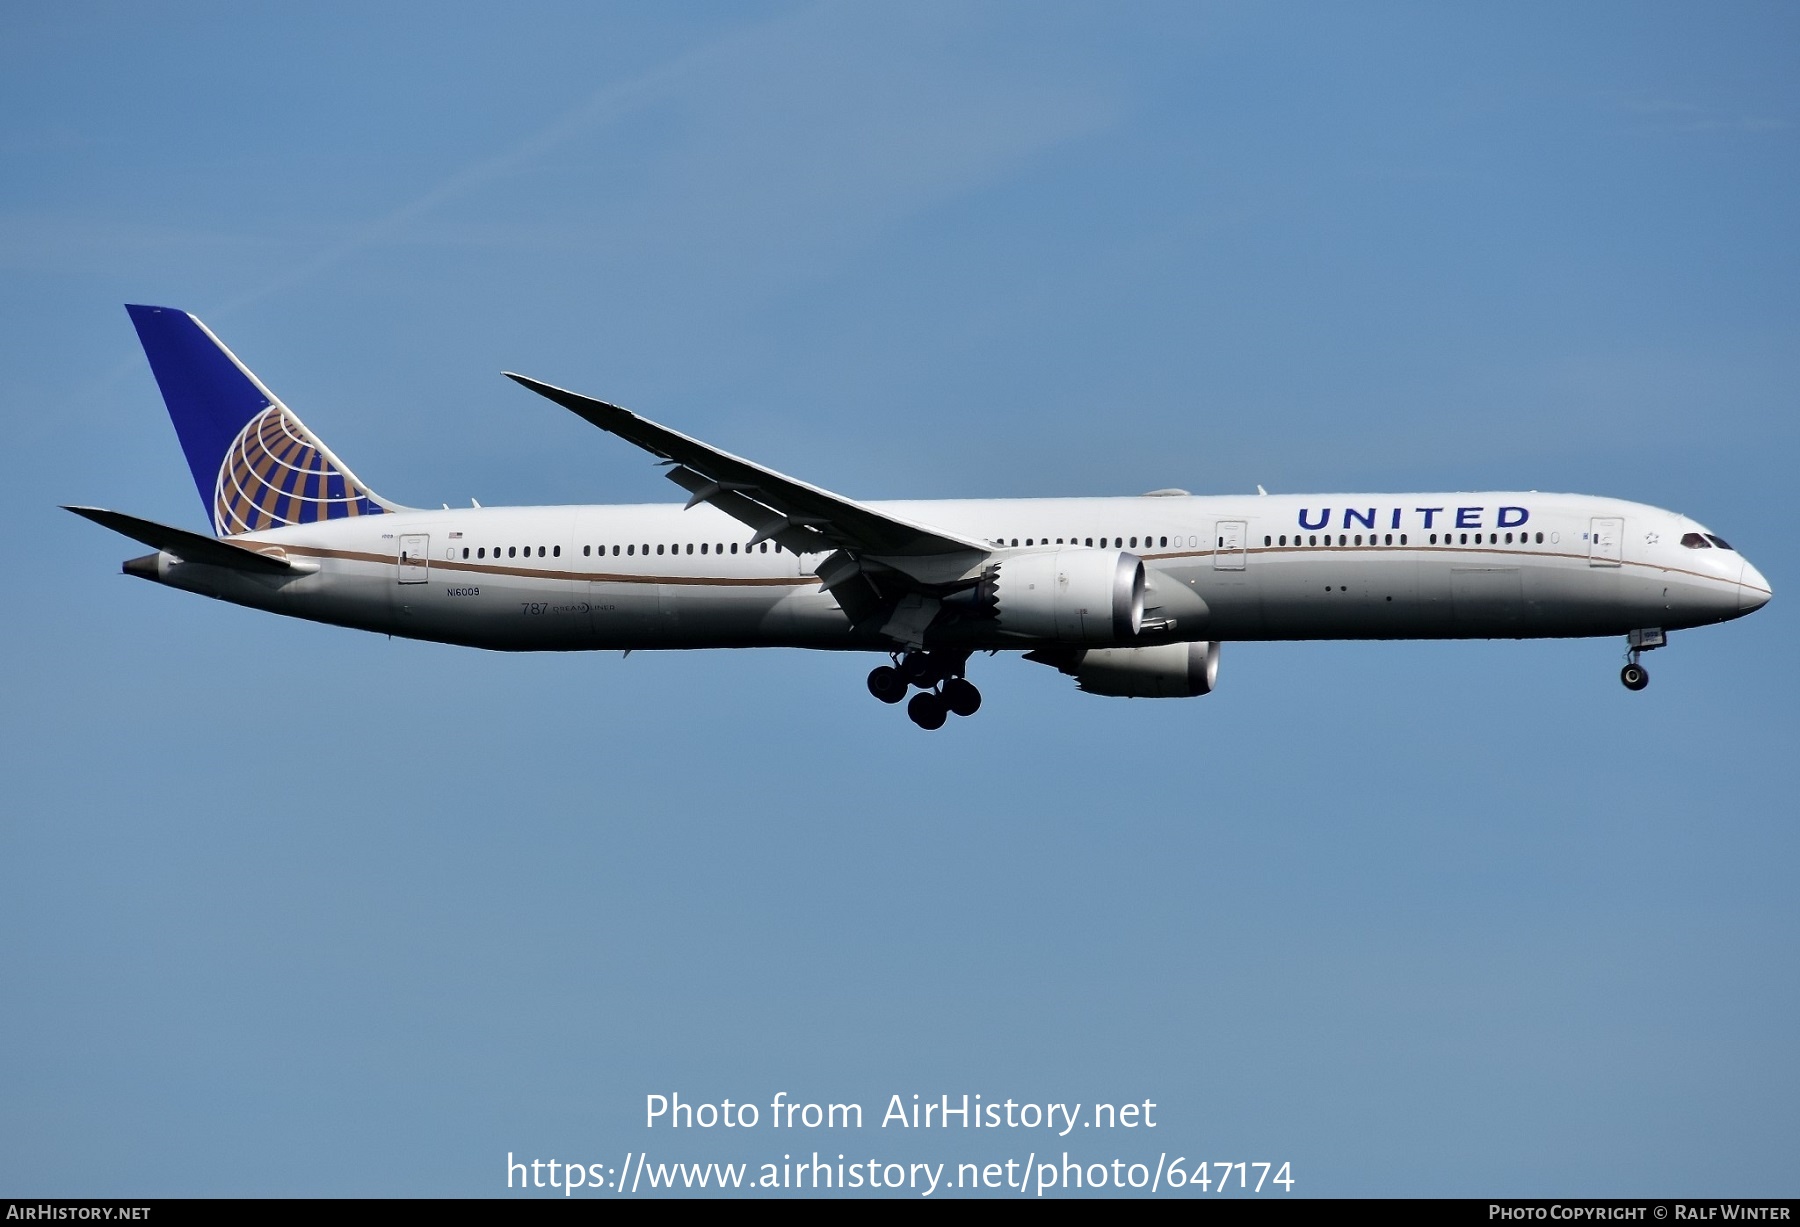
(1074, 596)
(1168, 671)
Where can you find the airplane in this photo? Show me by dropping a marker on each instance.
(1129, 596)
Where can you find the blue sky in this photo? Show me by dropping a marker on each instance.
(292, 909)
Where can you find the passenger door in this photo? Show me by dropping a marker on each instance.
(1606, 537)
(1228, 545)
(414, 559)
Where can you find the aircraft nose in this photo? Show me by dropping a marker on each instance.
(1753, 589)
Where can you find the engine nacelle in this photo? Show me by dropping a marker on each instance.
(1168, 671)
(1075, 596)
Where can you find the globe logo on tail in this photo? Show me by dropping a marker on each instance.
(277, 473)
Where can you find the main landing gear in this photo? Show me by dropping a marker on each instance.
(1634, 675)
(943, 690)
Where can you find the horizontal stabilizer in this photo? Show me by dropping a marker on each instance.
(189, 547)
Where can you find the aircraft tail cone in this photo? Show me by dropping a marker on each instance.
(143, 568)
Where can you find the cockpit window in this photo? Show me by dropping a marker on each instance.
(1718, 541)
(1694, 541)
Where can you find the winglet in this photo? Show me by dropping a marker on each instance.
(797, 516)
(607, 416)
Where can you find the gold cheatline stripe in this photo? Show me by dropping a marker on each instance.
(597, 577)
(795, 581)
(1445, 549)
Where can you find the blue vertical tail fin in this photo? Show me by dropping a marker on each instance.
(255, 464)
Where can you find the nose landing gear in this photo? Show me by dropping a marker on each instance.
(1634, 675)
(943, 690)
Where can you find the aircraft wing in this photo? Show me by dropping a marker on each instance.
(798, 516)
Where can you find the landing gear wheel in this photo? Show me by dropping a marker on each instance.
(927, 710)
(886, 684)
(961, 697)
(1635, 676)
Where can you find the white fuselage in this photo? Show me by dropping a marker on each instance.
(1363, 566)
